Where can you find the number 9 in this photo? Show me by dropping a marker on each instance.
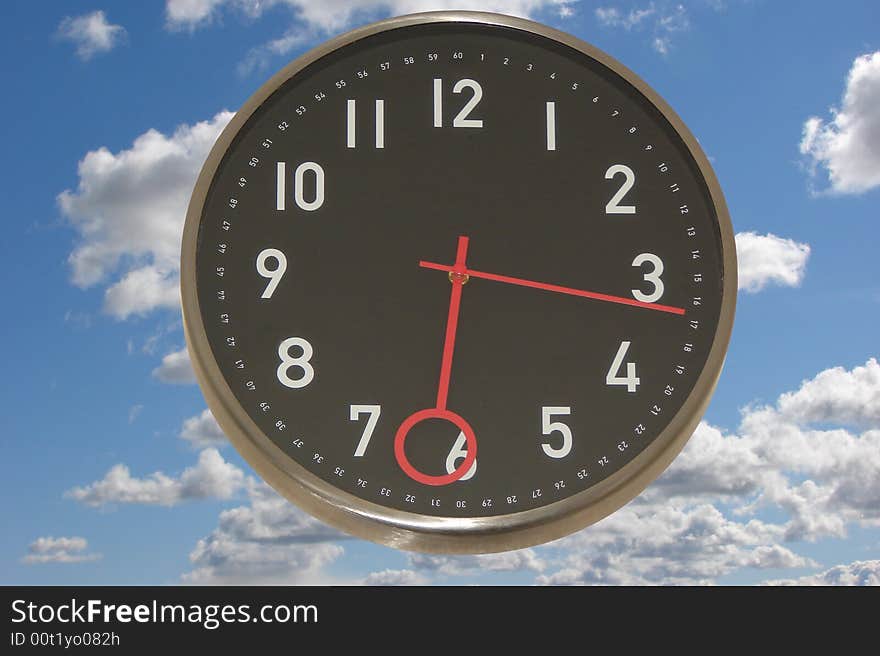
(274, 275)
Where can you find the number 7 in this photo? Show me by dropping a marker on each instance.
(374, 411)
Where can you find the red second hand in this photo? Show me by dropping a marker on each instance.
(551, 288)
(459, 271)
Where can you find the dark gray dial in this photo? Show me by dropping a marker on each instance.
(459, 270)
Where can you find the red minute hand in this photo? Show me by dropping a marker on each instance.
(553, 288)
(452, 321)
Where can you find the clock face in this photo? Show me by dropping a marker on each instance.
(457, 274)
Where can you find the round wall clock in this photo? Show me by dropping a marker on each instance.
(457, 282)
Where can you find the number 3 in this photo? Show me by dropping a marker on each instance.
(652, 277)
(302, 361)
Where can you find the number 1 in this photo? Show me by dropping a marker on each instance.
(551, 126)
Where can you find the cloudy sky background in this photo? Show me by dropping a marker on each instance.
(113, 471)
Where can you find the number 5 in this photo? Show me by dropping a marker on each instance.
(549, 427)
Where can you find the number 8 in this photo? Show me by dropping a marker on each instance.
(302, 361)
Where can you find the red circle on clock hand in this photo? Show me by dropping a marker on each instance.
(434, 413)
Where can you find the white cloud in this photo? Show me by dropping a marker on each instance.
(141, 291)
(211, 477)
(190, 13)
(768, 259)
(863, 572)
(312, 19)
(203, 431)
(395, 577)
(129, 208)
(837, 396)
(176, 369)
(509, 561)
(713, 466)
(91, 34)
(650, 543)
(59, 550)
(269, 541)
(662, 19)
(613, 17)
(330, 15)
(134, 412)
(848, 146)
(824, 480)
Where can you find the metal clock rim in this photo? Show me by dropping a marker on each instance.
(413, 531)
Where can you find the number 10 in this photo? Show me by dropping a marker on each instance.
(298, 186)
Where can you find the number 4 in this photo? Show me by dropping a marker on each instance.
(630, 380)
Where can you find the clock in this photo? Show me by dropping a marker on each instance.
(457, 282)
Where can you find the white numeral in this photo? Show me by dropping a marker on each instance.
(613, 206)
(459, 452)
(652, 277)
(438, 103)
(351, 124)
(630, 380)
(461, 120)
(274, 275)
(551, 126)
(380, 124)
(280, 186)
(374, 411)
(548, 427)
(300, 361)
(298, 184)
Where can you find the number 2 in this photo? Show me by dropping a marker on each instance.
(614, 206)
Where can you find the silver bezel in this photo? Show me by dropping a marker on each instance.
(413, 531)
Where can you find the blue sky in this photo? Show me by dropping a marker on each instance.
(113, 474)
